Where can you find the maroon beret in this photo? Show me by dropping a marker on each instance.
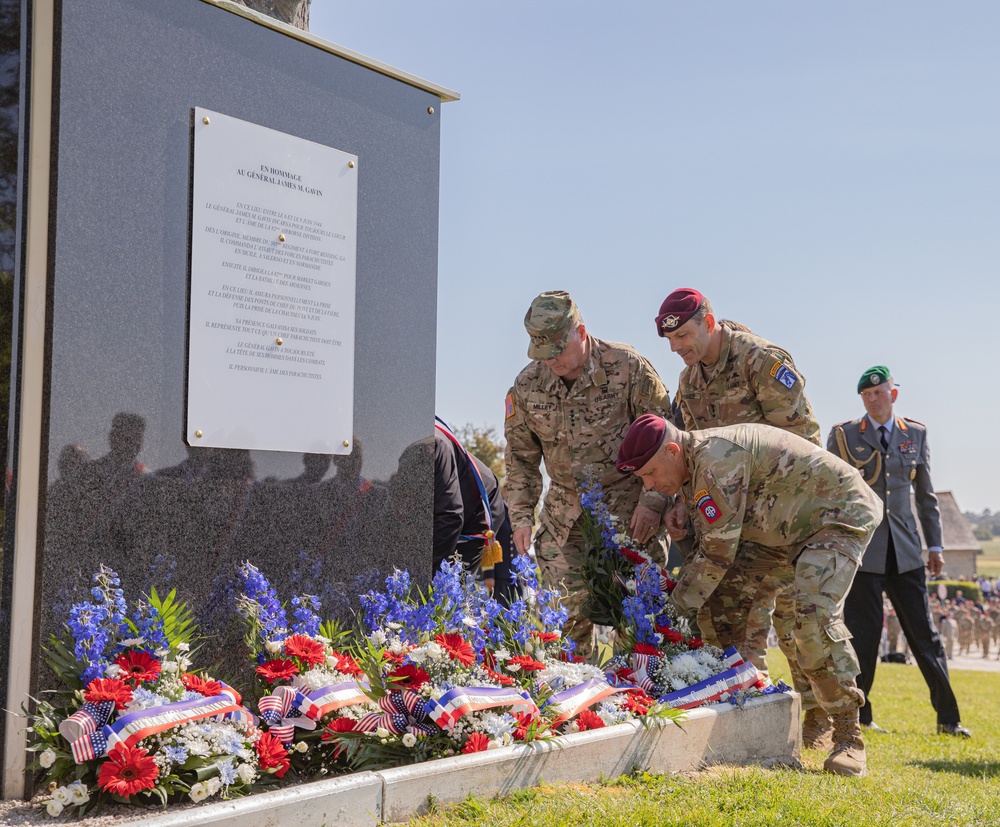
(644, 438)
(677, 308)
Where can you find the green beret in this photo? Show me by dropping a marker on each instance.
(873, 377)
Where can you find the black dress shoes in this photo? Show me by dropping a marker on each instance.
(954, 729)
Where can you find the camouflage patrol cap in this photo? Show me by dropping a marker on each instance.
(550, 319)
(676, 309)
(873, 377)
(643, 440)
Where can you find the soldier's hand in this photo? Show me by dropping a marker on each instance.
(675, 520)
(935, 563)
(522, 539)
(644, 524)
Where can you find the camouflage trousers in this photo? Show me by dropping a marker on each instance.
(824, 572)
(758, 591)
(560, 567)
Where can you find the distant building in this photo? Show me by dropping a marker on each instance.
(960, 544)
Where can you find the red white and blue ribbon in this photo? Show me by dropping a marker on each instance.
(571, 702)
(738, 676)
(459, 701)
(402, 711)
(288, 707)
(131, 728)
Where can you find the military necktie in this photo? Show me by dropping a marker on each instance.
(883, 439)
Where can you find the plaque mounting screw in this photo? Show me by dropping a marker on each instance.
(281, 237)
(430, 110)
(198, 434)
(206, 120)
(279, 341)
(346, 443)
(350, 164)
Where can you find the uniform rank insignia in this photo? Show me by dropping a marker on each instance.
(784, 375)
(706, 505)
(509, 405)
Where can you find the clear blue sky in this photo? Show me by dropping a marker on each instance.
(828, 174)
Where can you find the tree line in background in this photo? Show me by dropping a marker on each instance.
(985, 526)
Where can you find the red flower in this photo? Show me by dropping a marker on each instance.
(408, 676)
(633, 556)
(127, 771)
(477, 743)
(338, 725)
(108, 689)
(489, 660)
(673, 636)
(638, 702)
(305, 649)
(545, 637)
(695, 643)
(569, 657)
(277, 670)
(503, 680)
(202, 686)
(347, 665)
(139, 666)
(527, 664)
(457, 648)
(588, 719)
(394, 657)
(524, 721)
(625, 673)
(272, 754)
(645, 649)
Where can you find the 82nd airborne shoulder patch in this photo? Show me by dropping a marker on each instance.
(706, 505)
(785, 376)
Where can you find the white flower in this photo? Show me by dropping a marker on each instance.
(184, 663)
(113, 670)
(331, 662)
(470, 622)
(630, 584)
(168, 666)
(199, 792)
(394, 626)
(183, 647)
(78, 792)
(273, 646)
(198, 747)
(246, 773)
(214, 784)
(435, 651)
(54, 808)
(493, 745)
(133, 641)
(381, 732)
(418, 656)
(301, 746)
(47, 758)
(378, 637)
(501, 655)
(162, 653)
(513, 667)
(62, 795)
(409, 739)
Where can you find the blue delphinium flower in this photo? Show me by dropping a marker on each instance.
(149, 626)
(259, 603)
(304, 609)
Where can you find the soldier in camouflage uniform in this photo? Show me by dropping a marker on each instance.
(984, 628)
(734, 377)
(772, 490)
(966, 629)
(571, 408)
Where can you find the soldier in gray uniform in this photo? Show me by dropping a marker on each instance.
(892, 454)
(571, 407)
(754, 489)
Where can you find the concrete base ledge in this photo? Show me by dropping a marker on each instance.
(766, 730)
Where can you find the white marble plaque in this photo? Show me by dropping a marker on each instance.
(273, 244)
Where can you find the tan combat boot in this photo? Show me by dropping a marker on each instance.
(817, 729)
(848, 756)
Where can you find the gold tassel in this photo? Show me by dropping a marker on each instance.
(492, 554)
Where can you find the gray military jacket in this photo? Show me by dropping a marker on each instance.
(891, 474)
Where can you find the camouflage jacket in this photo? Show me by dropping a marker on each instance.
(575, 428)
(770, 488)
(753, 381)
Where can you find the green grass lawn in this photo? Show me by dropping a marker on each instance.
(915, 778)
(988, 563)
